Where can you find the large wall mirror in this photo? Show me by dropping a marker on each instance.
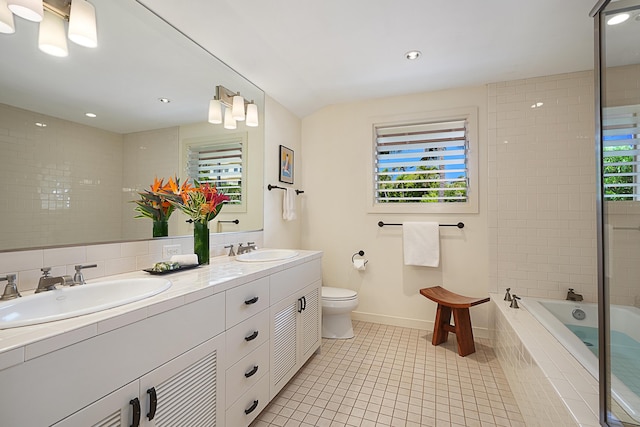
(69, 179)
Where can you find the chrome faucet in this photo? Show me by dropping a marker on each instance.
(231, 252)
(48, 283)
(572, 296)
(251, 246)
(11, 290)
(507, 296)
(78, 277)
(514, 301)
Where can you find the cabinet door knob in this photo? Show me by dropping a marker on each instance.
(252, 300)
(252, 372)
(153, 403)
(252, 407)
(135, 402)
(251, 337)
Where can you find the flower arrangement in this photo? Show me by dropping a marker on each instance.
(155, 204)
(201, 203)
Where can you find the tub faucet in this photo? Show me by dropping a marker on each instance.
(48, 283)
(11, 290)
(572, 296)
(514, 301)
(507, 296)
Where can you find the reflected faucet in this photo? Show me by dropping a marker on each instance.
(11, 290)
(572, 296)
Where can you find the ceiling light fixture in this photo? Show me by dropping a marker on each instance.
(164, 100)
(80, 14)
(412, 55)
(234, 109)
(618, 19)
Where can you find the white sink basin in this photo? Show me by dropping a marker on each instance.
(77, 300)
(266, 255)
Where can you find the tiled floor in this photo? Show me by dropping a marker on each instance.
(393, 376)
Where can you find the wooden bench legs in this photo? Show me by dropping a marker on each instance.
(462, 328)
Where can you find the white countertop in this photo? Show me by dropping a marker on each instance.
(20, 344)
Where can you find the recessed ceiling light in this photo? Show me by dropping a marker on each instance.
(41, 125)
(618, 19)
(412, 54)
(92, 115)
(164, 100)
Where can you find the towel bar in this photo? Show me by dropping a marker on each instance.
(459, 225)
(271, 187)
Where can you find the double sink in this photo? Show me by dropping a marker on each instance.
(90, 298)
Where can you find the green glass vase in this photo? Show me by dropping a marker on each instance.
(160, 228)
(201, 241)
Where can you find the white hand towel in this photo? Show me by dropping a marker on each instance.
(421, 243)
(289, 205)
(185, 259)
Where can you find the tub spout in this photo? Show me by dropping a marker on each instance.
(572, 296)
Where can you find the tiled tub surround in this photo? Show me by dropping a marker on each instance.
(549, 384)
(24, 344)
(111, 258)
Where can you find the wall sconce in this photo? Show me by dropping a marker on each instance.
(234, 109)
(80, 14)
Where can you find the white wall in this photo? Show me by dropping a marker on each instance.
(542, 186)
(281, 128)
(337, 163)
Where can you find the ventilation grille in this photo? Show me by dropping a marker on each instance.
(284, 342)
(310, 316)
(112, 420)
(189, 397)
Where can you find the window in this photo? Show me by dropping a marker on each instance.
(620, 128)
(425, 166)
(220, 164)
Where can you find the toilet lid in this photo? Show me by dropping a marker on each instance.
(338, 294)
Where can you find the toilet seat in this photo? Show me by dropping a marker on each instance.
(338, 294)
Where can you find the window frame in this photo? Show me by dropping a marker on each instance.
(470, 115)
(205, 141)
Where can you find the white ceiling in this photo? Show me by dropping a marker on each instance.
(307, 55)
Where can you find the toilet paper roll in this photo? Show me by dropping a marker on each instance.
(359, 264)
(185, 259)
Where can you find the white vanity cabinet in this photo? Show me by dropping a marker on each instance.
(295, 320)
(184, 391)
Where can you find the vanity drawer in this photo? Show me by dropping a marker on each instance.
(246, 373)
(253, 402)
(240, 339)
(246, 300)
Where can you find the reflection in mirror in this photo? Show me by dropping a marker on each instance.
(67, 178)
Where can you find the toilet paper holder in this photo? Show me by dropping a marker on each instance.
(359, 253)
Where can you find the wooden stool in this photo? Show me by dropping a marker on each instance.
(448, 301)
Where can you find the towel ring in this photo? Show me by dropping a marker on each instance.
(360, 253)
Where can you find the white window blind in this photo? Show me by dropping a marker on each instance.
(220, 165)
(620, 129)
(422, 163)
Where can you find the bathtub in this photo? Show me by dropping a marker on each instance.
(558, 316)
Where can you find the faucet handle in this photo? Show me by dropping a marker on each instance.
(231, 252)
(45, 271)
(507, 296)
(514, 301)
(78, 277)
(11, 290)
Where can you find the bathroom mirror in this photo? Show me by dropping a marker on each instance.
(69, 179)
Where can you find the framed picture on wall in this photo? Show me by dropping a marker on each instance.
(286, 165)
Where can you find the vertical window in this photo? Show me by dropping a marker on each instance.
(219, 164)
(621, 128)
(422, 163)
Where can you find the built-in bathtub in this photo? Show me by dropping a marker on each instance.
(574, 325)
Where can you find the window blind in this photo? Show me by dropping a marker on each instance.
(422, 163)
(620, 129)
(219, 165)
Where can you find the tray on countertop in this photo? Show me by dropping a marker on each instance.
(175, 270)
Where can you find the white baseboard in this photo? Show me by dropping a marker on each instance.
(425, 325)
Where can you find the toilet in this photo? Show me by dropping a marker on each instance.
(337, 305)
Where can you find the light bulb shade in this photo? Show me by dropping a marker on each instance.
(51, 36)
(229, 121)
(31, 10)
(82, 24)
(7, 26)
(215, 112)
(252, 115)
(237, 110)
